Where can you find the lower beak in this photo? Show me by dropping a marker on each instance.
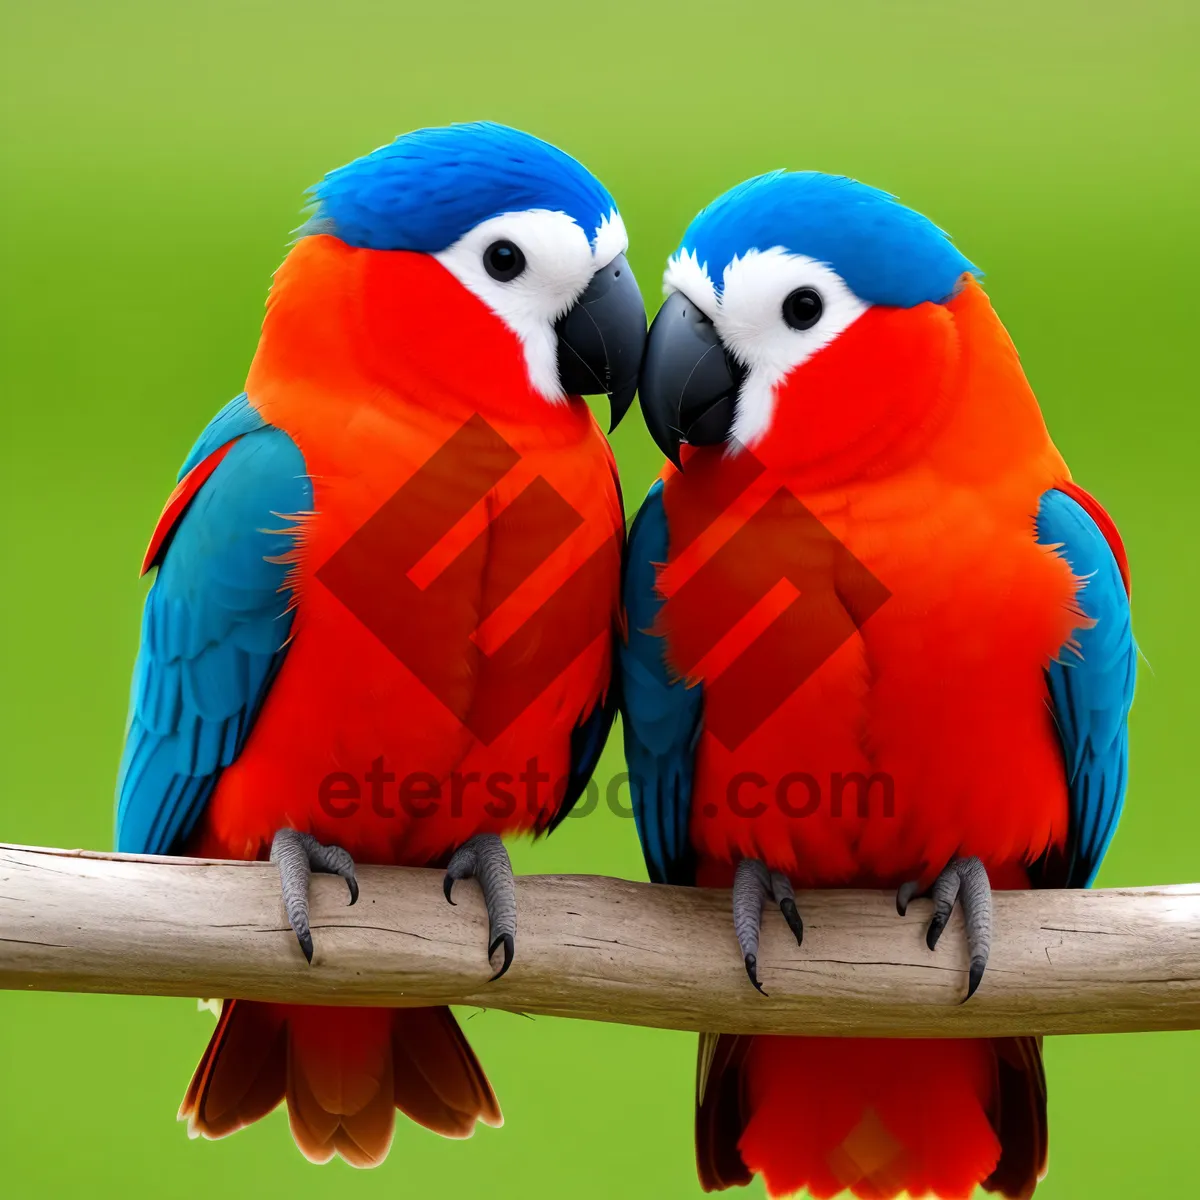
(689, 383)
(601, 339)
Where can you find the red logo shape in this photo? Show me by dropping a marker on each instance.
(425, 625)
(776, 600)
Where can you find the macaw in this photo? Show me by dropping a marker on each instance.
(386, 594)
(865, 564)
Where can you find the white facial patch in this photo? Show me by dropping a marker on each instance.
(559, 264)
(611, 240)
(685, 273)
(748, 316)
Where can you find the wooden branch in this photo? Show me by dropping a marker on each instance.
(600, 949)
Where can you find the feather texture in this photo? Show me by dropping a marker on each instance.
(662, 715)
(343, 1079)
(263, 674)
(427, 188)
(1091, 683)
(940, 693)
(214, 633)
(887, 253)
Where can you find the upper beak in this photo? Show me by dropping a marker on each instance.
(689, 383)
(601, 339)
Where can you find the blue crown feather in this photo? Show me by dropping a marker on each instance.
(427, 188)
(887, 253)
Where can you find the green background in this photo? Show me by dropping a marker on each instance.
(154, 157)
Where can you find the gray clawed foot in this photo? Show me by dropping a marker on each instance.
(484, 857)
(753, 884)
(297, 855)
(964, 880)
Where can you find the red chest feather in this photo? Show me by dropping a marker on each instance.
(456, 591)
(873, 649)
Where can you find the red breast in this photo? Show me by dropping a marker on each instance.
(895, 496)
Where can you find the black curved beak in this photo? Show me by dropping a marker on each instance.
(689, 383)
(601, 339)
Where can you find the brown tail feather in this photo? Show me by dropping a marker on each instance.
(242, 1074)
(343, 1073)
(340, 1085)
(1020, 1119)
(720, 1111)
(439, 1082)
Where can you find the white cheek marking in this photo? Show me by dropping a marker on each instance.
(559, 265)
(750, 322)
(751, 325)
(685, 274)
(611, 240)
(748, 316)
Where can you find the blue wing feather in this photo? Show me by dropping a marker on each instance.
(214, 630)
(238, 417)
(1091, 686)
(662, 716)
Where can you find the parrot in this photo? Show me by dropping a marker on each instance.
(877, 637)
(382, 623)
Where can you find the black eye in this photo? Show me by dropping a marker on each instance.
(802, 308)
(503, 261)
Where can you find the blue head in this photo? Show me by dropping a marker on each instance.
(524, 227)
(886, 253)
(771, 273)
(428, 188)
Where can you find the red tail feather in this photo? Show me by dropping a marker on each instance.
(343, 1073)
(872, 1117)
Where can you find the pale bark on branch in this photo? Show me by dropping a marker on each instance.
(599, 949)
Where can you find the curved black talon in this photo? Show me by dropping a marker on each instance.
(508, 942)
(963, 880)
(484, 858)
(781, 889)
(937, 925)
(297, 855)
(752, 971)
(304, 937)
(975, 975)
(905, 894)
(752, 885)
